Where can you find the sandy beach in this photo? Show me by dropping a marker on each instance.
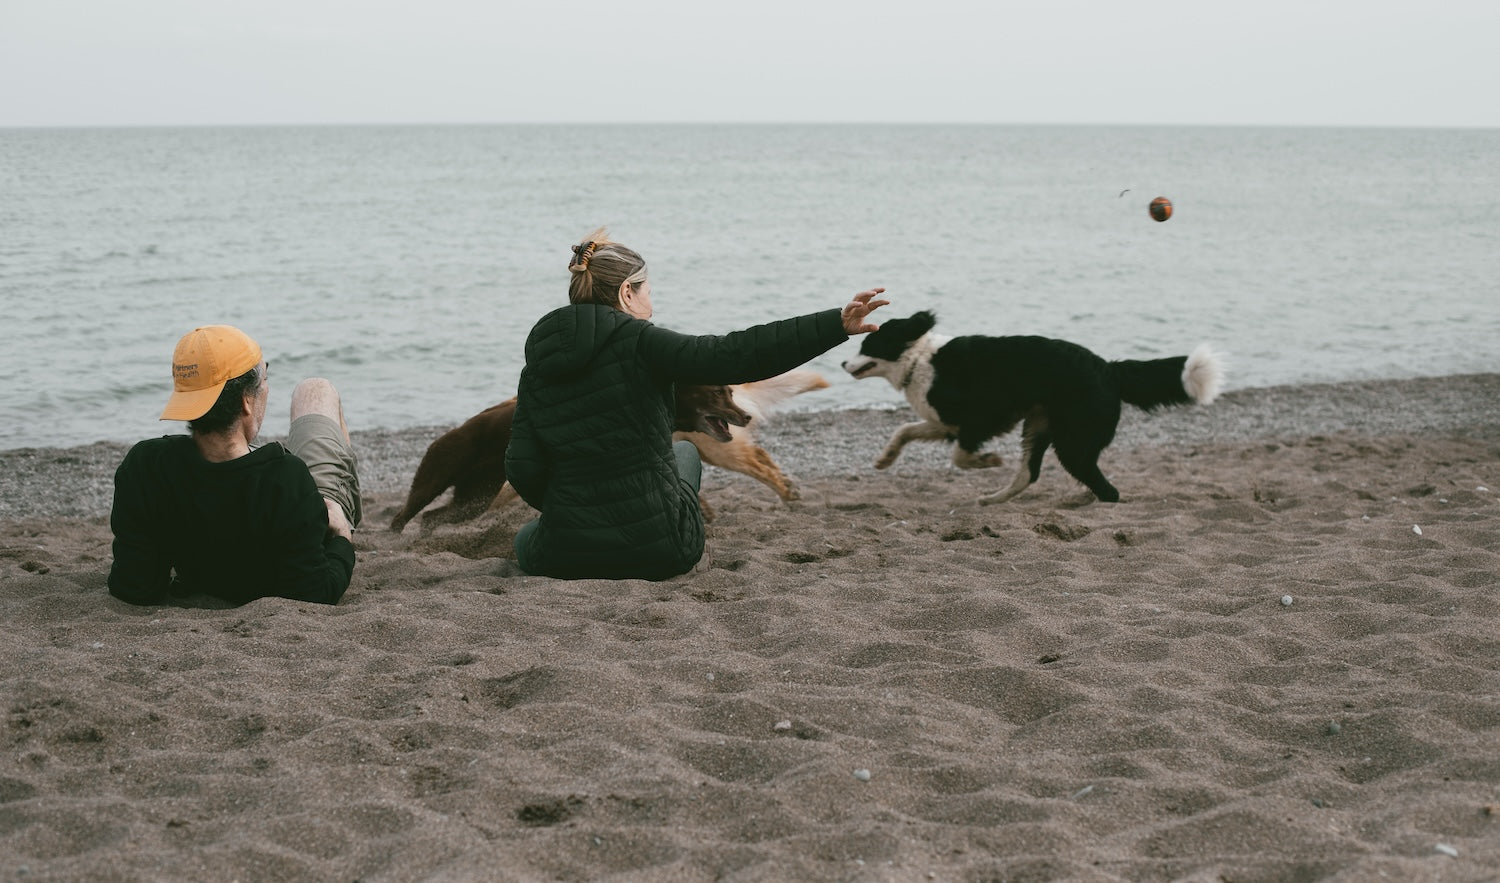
(1277, 658)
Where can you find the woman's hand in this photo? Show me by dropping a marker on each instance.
(856, 310)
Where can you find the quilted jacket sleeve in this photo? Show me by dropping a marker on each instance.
(755, 353)
(527, 466)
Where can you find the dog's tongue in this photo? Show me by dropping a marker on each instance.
(720, 427)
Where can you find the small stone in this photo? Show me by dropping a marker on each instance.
(1416, 529)
(1445, 849)
(782, 725)
(1286, 600)
(1334, 729)
(862, 774)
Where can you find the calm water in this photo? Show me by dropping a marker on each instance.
(408, 263)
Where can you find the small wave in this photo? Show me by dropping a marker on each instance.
(77, 259)
(122, 391)
(319, 359)
(152, 281)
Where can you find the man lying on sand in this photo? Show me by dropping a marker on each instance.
(207, 513)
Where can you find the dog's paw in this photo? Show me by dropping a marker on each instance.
(987, 460)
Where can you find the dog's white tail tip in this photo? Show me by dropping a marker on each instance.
(775, 390)
(1203, 375)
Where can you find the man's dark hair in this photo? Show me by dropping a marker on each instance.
(227, 409)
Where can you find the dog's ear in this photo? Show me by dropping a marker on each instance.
(922, 323)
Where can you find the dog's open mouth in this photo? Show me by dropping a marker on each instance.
(717, 427)
(860, 370)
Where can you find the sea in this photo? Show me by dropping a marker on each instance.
(407, 263)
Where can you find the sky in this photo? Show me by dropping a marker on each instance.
(1150, 62)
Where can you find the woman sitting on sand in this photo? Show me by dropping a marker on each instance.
(591, 446)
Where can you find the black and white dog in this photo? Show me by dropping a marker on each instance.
(975, 388)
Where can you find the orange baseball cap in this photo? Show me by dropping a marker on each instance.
(205, 359)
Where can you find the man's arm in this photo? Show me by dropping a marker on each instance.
(315, 564)
(140, 572)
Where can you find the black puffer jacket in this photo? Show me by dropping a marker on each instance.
(591, 446)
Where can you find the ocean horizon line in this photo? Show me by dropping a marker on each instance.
(595, 124)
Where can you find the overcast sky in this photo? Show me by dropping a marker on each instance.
(211, 62)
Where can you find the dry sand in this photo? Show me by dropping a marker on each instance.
(883, 681)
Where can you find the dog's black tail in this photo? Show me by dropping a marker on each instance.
(1178, 380)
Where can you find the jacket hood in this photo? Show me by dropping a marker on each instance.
(565, 341)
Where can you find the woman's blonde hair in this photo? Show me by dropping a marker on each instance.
(600, 268)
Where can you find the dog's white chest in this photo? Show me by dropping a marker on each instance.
(917, 377)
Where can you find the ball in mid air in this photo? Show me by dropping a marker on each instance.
(1161, 208)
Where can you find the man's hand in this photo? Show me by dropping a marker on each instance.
(337, 523)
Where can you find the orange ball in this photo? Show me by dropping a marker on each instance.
(1161, 208)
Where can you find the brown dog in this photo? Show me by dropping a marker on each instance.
(471, 457)
(709, 411)
(739, 452)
